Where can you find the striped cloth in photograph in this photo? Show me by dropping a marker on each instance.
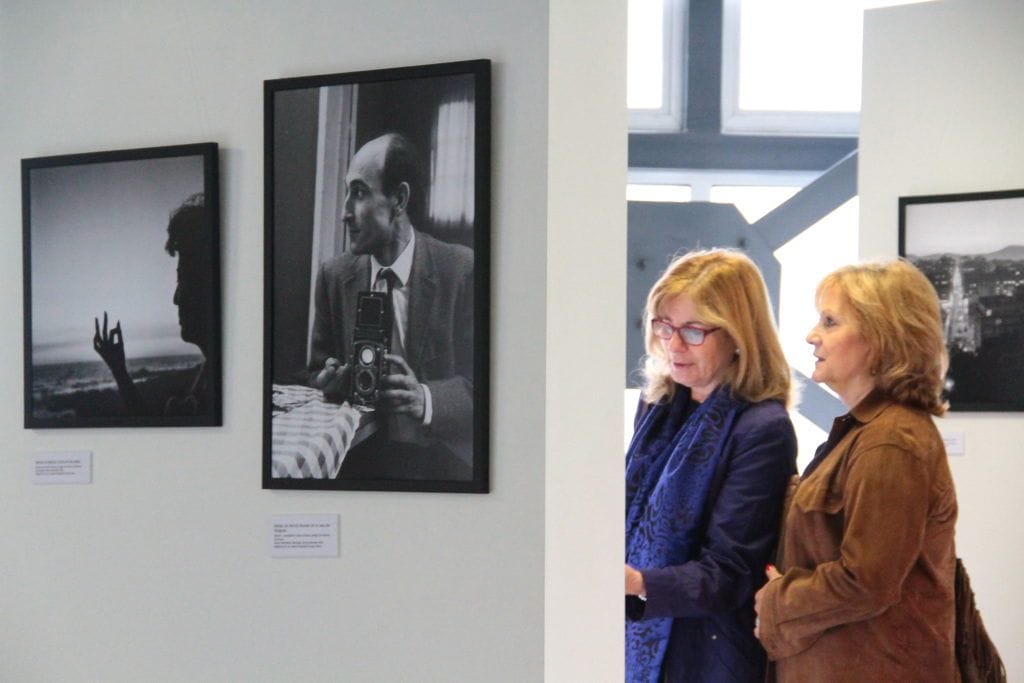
(309, 435)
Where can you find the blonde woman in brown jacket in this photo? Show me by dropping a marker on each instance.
(867, 553)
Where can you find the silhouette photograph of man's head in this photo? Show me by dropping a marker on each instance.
(188, 238)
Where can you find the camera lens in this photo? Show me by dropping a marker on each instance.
(364, 380)
(366, 355)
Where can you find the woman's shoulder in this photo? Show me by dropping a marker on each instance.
(762, 413)
(902, 427)
(765, 422)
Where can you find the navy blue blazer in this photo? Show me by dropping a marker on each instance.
(711, 597)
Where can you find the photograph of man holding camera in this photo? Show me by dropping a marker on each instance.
(417, 376)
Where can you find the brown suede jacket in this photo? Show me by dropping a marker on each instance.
(867, 556)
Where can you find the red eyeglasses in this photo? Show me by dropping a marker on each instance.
(691, 334)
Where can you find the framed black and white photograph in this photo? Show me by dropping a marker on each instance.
(971, 248)
(122, 288)
(377, 262)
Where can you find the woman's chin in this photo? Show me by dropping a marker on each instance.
(682, 379)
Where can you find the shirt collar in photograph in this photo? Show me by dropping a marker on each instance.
(402, 266)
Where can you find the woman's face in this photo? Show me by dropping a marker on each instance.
(701, 368)
(842, 353)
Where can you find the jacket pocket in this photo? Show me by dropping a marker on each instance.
(818, 496)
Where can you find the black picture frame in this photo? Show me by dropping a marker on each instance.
(971, 248)
(96, 245)
(319, 130)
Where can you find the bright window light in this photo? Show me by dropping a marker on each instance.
(793, 66)
(655, 64)
(645, 54)
(754, 202)
(805, 259)
(802, 55)
(630, 401)
(657, 193)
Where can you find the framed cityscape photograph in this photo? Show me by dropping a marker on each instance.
(376, 280)
(971, 248)
(122, 288)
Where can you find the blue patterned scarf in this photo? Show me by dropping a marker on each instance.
(669, 466)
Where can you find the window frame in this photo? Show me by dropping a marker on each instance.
(670, 116)
(700, 181)
(737, 121)
(699, 142)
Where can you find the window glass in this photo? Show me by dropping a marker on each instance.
(800, 55)
(636, 192)
(793, 66)
(645, 54)
(803, 55)
(753, 201)
(654, 65)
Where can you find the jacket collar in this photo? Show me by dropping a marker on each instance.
(871, 406)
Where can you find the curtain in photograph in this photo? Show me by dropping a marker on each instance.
(336, 138)
(451, 202)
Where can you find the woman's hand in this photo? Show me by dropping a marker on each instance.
(634, 582)
(110, 345)
(772, 573)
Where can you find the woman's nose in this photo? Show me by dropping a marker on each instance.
(675, 342)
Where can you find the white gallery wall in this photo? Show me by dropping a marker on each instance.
(942, 113)
(586, 304)
(158, 570)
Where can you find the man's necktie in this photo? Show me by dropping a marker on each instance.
(389, 277)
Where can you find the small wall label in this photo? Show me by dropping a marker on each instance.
(69, 467)
(954, 443)
(304, 536)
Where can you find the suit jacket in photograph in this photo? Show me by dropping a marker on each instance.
(439, 329)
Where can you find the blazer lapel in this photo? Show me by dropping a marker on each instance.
(356, 280)
(422, 288)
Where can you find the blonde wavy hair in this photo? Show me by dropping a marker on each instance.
(727, 290)
(898, 313)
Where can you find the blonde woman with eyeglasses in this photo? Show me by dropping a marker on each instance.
(706, 472)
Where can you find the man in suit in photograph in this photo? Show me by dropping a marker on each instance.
(427, 392)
